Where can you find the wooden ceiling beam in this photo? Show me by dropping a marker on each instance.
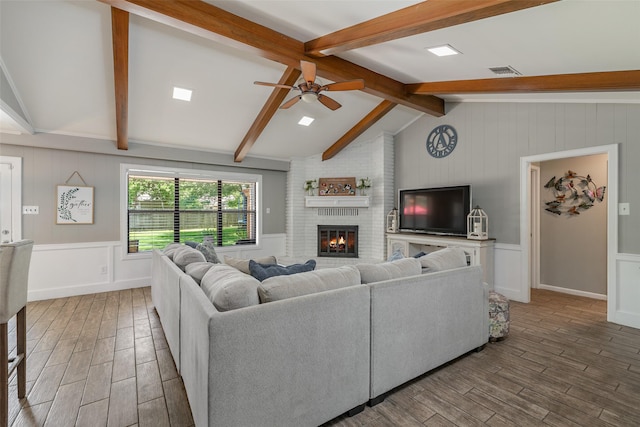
(213, 23)
(120, 38)
(269, 109)
(580, 82)
(369, 120)
(419, 18)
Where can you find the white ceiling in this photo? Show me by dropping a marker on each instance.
(58, 57)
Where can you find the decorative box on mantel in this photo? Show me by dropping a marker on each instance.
(336, 202)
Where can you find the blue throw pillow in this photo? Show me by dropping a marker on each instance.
(419, 254)
(264, 271)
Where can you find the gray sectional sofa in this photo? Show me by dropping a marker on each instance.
(327, 342)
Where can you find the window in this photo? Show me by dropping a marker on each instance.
(165, 206)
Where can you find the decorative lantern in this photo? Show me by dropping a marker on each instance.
(477, 224)
(392, 221)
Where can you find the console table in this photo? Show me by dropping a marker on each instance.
(479, 252)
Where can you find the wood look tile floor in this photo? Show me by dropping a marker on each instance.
(98, 360)
(102, 360)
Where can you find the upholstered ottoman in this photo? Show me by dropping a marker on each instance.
(498, 316)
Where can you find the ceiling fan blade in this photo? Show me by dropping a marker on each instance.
(290, 102)
(329, 102)
(308, 71)
(348, 85)
(275, 85)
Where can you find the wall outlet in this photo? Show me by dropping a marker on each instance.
(623, 209)
(30, 210)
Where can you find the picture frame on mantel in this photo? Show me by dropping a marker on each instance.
(337, 186)
(74, 204)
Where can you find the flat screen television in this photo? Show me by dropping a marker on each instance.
(440, 210)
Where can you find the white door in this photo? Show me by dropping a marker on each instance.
(10, 199)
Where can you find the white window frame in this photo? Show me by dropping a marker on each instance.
(151, 170)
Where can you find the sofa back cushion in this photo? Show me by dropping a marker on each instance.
(229, 289)
(405, 267)
(264, 271)
(243, 264)
(186, 256)
(295, 285)
(197, 270)
(444, 259)
(171, 249)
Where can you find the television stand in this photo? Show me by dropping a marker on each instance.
(479, 252)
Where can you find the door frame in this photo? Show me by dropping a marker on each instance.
(612, 216)
(534, 244)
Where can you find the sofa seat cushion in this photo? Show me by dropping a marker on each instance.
(405, 267)
(444, 259)
(186, 256)
(197, 270)
(294, 285)
(243, 264)
(264, 271)
(229, 289)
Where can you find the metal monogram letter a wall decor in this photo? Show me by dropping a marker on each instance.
(441, 141)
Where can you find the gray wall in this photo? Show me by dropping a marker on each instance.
(492, 137)
(45, 168)
(573, 249)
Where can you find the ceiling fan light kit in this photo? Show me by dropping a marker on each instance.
(310, 87)
(309, 96)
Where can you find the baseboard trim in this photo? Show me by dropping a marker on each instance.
(573, 292)
(70, 291)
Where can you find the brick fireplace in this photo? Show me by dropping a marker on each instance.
(338, 241)
(372, 158)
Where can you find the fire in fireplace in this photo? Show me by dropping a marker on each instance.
(338, 241)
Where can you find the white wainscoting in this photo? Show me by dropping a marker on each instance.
(63, 270)
(507, 272)
(625, 309)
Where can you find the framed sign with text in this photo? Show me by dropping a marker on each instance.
(74, 205)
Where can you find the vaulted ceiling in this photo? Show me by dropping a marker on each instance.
(106, 69)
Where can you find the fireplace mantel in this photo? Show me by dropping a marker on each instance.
(336, 201)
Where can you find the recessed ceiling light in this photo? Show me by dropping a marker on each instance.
(444, 50)
(181, 94)
(306, 121)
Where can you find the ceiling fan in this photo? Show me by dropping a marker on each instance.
(310, 89)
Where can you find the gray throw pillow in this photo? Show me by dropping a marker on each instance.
(186, 256)
(405, 267)
(444, 259)
(264, 271)
(396, 255)
(243, 264)
(282, 287)
(209, 252)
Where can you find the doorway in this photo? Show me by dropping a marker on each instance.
(526, 217)
(10, 199)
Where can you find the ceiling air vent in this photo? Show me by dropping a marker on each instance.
(505, 71)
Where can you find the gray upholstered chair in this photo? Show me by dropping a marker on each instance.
(14, 272)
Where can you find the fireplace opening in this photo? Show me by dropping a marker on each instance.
(338, 241)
